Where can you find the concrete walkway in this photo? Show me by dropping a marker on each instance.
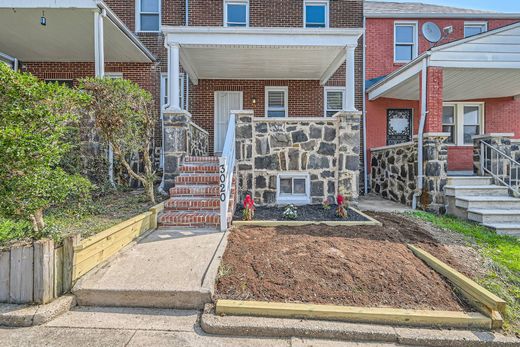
(167, 269)
(375, 203)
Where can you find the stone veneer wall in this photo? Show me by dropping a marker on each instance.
(198, 141)
(325, 148)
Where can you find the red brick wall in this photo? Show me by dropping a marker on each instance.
(460, 158)
(434, 100)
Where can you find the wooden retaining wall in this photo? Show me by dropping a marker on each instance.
(40, 272)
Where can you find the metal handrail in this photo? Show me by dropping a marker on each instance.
(226, 170)
(502, 167)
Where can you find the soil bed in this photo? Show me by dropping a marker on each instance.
(366, 266)
(305, 213)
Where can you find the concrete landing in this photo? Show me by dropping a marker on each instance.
(375, 203)
(170, 268)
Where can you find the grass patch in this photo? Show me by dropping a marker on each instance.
(503, 275)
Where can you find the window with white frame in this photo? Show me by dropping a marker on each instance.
(334, 100)
(462, 121)
(474, 28)
(316, 14)
(405, 41)
(276, 102)
(148, 16)
(236, 13)
(293, 188)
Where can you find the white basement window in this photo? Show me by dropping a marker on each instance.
(334, 100)
(148, 18)
(293, 188)
(276, 101)
(462, 121)
(474, 28)
(405, 41)
(316, 14)
(236, 13)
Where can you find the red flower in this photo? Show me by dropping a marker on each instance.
(340, 200)
(248, 202)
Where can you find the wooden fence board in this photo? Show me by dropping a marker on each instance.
(58, 272)
(43, 271)
(21, 275)
(4, 275)
(68, 261)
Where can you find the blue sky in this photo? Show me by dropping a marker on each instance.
(494, 5)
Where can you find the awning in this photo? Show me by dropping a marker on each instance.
(261, 53)
(478, 67)
(68, 35)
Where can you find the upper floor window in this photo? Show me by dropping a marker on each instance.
(148, 15)
(236, 13)
(474, 28)
(276, 101)
(405, 41)
(316, 13)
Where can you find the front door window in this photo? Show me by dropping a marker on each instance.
(399, 126)
(225, 102)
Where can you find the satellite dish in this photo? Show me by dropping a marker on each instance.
(431, 32)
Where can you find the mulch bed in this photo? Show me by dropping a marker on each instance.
(366, 266)
(305, 213)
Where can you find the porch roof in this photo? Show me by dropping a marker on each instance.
(68, 35)
(261, 53)
(477, 67)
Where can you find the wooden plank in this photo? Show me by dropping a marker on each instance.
(58, 272)
(268, 223)
(4, 275)
(21, 275)
(468, 287)
(43, 271)
(156, 210)
(68, 261)
(355, 314)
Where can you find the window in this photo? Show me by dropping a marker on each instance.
(114, 75)
(334, 101)
(316, 14)
(405, 41)
(293, 188)
(236, 13)
(148, 15)
(462, 121)
(474, 28)
(276, 101)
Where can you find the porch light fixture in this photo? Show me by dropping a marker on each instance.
(43, 20)
(253, 101)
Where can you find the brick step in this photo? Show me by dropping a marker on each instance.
(199, 168)
(192, 159)
(193, 203)
(202, 190)
(197, 178)
(202, 219)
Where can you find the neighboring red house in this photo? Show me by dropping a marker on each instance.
(394, 38)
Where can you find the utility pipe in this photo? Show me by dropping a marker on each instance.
(187, 13)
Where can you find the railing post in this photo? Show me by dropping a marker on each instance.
(223, 192)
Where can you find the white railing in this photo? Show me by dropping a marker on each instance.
(226, 170)
(500, 166)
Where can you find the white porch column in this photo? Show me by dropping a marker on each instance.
(350, 79)
(173, 77)
(99, 45)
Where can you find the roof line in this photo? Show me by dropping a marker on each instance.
(443, 15)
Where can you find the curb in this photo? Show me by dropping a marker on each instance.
(29, 315)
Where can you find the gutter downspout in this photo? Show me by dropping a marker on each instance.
(187, 13)
(365, 161)
(420, 135)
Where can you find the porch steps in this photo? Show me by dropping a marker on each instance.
(476, 199)
(195, 200)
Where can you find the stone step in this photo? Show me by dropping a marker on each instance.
(511, 229)
(196, 203)
(490, 202)
(199, 168)
(486, 216)
(488, 190)
(197, 178)
(203, 219)
(193, 159)
(207, 190)
(469, 181)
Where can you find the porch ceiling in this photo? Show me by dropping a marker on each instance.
(261, 53)
(68, 35)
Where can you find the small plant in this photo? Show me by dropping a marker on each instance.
(327, 203)
(249, 208)
(341, 210)
(290, 212)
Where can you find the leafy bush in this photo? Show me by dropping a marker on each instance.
(34, 119)
(290, 212)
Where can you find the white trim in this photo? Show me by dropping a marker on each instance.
(284, 89)
(333, 89)
(404, 144)
(333, 67)
(459, 121)
(236, 2)
(414, 15)
(292, 198)
(138, 17)
(114, 75)
(324, 3)
(415, 47)
(394, 79)
(475, 24)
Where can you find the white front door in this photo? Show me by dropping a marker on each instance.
(224, 103)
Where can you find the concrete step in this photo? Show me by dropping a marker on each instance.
(202, 219)
(197, 178)
(511, 229)
(193, 159)
(469, 181)
(199, 168)
(489, 190)
(207, 190)
(486, 216)
(183, 203)
(490, 202)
